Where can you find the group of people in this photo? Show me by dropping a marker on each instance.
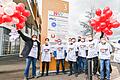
(76, 53)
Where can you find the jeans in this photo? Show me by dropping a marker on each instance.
(71, 63)
(28, 62)
(82, 64)
(107, 66)
(43, 68)
(58, 64)
(95, 65)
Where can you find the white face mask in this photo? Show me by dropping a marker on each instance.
(103, 41)
(82, 40)
(90, 38)
(34, 39)
(59, 43)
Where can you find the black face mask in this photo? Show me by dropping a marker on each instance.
(90, 40)
(71, 43)
(79, 40)
(46, 44)
(103, 43)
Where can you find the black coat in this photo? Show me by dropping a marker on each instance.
(28, 45)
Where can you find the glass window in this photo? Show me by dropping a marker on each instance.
(9, 47)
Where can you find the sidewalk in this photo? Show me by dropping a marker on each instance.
(14, 63)
(11, 68)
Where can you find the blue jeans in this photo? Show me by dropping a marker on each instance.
(58, 64)
(28, 62)
(82, 63)
(107, 66)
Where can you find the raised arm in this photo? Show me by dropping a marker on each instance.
(25, 38)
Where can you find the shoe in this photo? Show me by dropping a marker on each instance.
(42, 75)
(69, 74)
(46, 75)
(57, 73)
(76, 75)
(34, 77)
(64, 72)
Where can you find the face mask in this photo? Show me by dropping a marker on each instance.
(34, 39)
(59, 43)
(82, 40)
(103, 41)
(90, 39)
(46, 44)
(79, 40)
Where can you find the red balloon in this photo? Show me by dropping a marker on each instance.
(17, 14)
(6, 18)
(98, 12)
(21, 4)
(22, 19)
(109, 26)
(1, 20)
(107, 21)
(26, 13)
(20, 8)
(115, 24)
(20, 26)
(98, 29)
(106, 9)
(103, 18)
(105, 30)
(109, 14)
(103, 25)
(109, 32)
(97, 21)
(93, 23)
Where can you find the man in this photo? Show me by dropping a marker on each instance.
(71, 57)
(60, 56)
(31, 52)
(46, 56)
(104, 49)
(92, 52)
(82, 55)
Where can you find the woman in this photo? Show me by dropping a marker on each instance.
(46, 56)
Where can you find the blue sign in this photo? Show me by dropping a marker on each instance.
(53, 24)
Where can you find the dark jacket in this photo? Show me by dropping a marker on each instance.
(28, 45)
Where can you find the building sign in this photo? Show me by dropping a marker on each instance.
(57, 26)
